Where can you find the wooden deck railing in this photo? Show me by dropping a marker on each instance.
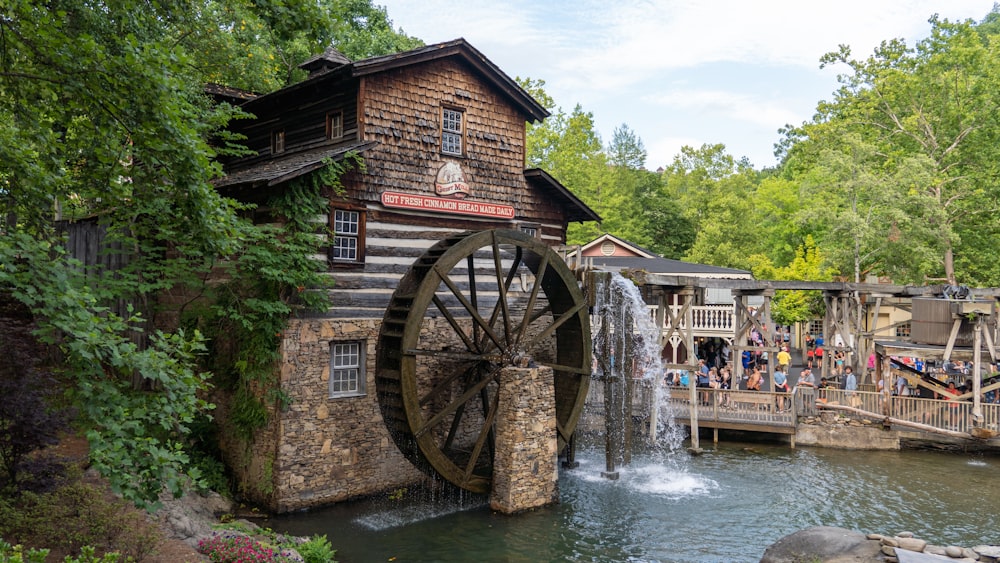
(731, 407)
(939, 413)
(768, 410)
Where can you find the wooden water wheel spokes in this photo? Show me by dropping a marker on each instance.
(470, 306)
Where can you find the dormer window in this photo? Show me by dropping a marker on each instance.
(335, 125)
(277, 141)
(451, 131)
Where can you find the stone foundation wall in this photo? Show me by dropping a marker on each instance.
(331, 449)
(833, 431)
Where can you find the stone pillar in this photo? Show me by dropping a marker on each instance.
(525, 465)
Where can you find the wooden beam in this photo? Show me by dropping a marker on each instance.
(894, 421)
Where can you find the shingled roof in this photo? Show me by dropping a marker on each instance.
(282, 169)
(326, 61)
(324, 64)
(576, 210)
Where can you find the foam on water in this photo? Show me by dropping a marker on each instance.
(667, 480)
(658, 477)
(396, 517)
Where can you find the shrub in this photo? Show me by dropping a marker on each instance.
(16, 554)
(317, 550)
(238, 548)
(76, 516)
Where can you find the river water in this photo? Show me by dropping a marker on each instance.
(728, 504)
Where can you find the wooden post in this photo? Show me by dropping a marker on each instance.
(870, 348)
(770, 336)
(628, 363)
(687, 294)
(654, 397)
(977, 342)
(571, 462)
(742, 324)
(882, 368)
(613, 398)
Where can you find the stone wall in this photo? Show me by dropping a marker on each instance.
(525, 470)
(835, 431)
(331, 449)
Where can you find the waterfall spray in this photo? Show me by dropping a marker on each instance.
(627, 352)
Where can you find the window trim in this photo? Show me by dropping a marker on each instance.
(359, 259)
(361, 377)
(536, 227)
(459, 134)
(904, 330)
(277, 141)
(333, 133)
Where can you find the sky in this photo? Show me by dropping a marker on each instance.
(680, 72)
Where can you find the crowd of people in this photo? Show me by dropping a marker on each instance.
(715, 370)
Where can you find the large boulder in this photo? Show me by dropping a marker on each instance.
(824, 544)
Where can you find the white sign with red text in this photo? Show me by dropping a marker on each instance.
(444, 205)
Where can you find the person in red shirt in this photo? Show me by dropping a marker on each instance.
(950, 395)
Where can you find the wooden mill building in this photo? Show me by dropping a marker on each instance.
(441, 131)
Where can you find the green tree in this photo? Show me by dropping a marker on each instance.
(715, 195)
(364, 30)
(792, 306)
(569, 147)
(929, 114)
(102, 114)
(868, 218)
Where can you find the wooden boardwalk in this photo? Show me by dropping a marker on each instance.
(758, 411)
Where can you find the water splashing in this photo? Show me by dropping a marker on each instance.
(627, 346)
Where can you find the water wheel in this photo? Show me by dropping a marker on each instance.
(470, 306)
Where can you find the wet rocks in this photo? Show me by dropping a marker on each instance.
(824, 544)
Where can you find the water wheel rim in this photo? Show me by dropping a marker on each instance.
(572, 345)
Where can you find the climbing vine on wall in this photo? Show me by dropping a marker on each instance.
(274, 277)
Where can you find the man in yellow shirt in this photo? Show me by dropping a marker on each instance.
(784, 359)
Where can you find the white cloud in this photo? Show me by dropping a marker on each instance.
(661, 152)
(732, 105)
(654, 64)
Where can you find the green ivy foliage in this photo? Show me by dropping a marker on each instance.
(274, 277)
(136, 436)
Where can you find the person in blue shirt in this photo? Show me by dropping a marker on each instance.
(851, 385)
(780, 386)
(850, 380)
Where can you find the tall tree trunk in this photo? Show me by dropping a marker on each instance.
(949, 265)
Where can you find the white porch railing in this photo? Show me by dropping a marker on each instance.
(708, 320)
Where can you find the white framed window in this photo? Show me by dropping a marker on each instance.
(335, 125)
(348, 231)
(903, 331)
(347, 369)
(451, 131)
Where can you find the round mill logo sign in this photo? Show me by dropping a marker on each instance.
(449, 183)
